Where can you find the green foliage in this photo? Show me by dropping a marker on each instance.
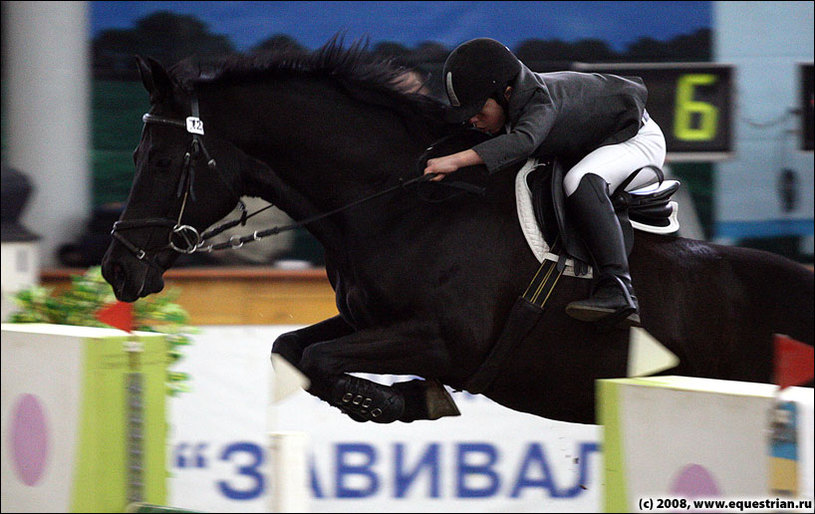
(90, 292)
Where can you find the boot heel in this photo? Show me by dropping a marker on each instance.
(622, 320)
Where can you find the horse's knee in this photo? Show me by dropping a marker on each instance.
(288, 346)
(315, 360)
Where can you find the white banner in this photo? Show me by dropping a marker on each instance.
(489, 459)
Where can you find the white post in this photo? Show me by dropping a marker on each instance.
(288, 484)
(19, 270)
(46, 109)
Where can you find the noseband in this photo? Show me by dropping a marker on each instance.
(182, 238)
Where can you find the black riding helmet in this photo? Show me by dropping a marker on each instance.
(475, 71)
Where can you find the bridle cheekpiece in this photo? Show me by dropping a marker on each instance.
(182, 238)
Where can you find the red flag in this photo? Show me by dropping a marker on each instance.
(118, 315)
(794, 362)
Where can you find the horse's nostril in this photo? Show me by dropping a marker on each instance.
(118, 273)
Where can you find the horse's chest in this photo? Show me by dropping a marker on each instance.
(351, 305)
(355, 304)
(367, 305)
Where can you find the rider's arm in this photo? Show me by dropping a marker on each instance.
(450, 163)
(523, 139)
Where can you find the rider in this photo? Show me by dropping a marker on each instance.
(598, 126)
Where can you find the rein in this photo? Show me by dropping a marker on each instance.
(238, 241)
(188, 238)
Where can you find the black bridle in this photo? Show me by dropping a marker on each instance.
(186, 239)
(182, 238)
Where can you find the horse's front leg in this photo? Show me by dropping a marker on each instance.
(291, 345)
(399, 350)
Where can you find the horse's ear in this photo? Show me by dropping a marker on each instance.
(155, 78)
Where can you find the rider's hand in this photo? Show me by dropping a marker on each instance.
(441, 166)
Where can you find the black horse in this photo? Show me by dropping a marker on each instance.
(423, 288)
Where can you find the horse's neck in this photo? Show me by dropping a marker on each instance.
(324, 150)
(272, 189)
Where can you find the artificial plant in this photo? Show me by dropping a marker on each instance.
(89, 292)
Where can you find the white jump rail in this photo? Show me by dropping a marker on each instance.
(673, 437)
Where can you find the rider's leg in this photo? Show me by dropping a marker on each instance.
(613, 294)
(587, 187)
(616, 162)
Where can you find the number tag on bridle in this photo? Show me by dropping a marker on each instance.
(195, 125)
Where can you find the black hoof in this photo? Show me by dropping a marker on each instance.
(364, 400)
(425, 399)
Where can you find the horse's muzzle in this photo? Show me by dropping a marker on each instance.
(129, 277)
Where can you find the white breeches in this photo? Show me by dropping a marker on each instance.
(616, 162)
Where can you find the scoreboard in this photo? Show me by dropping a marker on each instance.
(691, 102)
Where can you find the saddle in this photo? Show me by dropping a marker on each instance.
(542, 213)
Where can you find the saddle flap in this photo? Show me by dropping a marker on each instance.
(540, 185)
(650, 194)
(651, 206)
(542, 214)
(649, 209)
(571, 243)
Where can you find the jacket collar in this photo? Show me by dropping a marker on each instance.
(526, 84)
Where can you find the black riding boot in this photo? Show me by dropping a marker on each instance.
(612, 299)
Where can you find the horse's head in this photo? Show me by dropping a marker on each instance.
(178, 191)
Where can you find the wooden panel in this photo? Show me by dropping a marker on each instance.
(239, 296)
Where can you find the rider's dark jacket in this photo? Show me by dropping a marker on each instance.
(568, 114)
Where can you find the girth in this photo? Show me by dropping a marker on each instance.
(525, 314)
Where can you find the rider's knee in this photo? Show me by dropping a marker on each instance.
(571, 181)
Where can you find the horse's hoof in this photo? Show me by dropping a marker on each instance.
(426, 399)
(364, 400)
(439, 401)
(633, 320)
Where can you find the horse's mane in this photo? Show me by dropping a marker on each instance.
(373, 80)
